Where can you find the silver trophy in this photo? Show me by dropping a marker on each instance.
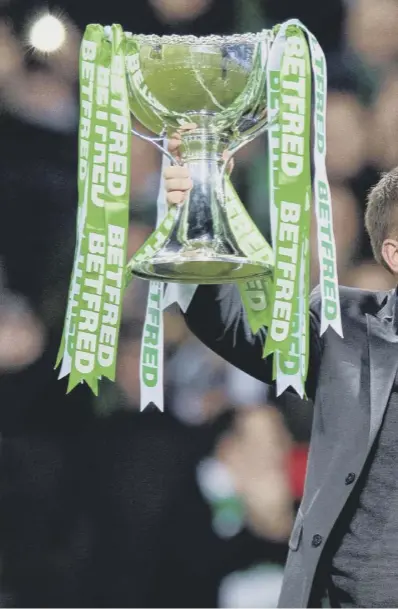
(218, 83)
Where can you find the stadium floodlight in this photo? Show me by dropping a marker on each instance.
(47, 34)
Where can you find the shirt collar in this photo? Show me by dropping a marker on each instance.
(395, 311)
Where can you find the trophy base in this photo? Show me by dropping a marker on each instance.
(200, 269)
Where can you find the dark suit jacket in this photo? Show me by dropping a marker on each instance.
(349, 381)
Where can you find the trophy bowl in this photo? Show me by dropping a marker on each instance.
(217, 83)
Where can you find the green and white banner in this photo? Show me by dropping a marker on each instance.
(152, 344)
(152, 350)
(290, 76)
(90, 338)
(331, 312)
(255, 294)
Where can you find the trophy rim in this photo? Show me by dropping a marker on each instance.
(210, 40)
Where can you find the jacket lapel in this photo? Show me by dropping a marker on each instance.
(383, 357)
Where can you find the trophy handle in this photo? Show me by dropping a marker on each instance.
(155, 141)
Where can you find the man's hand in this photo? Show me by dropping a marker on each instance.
(177, 180)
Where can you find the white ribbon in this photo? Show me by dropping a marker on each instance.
(330, 311)
(152, 389)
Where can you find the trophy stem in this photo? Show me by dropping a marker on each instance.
(201, 246)
(203, 219)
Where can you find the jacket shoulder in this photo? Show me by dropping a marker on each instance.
(351, 299)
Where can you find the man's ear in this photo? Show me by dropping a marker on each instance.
(389, 252)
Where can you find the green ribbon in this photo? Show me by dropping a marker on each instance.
(90, 338)
(290, 156)
(255, 293)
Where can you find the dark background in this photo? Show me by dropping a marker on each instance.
(101, 505)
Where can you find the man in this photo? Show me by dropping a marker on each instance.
(344, 544)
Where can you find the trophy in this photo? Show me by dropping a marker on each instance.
(217, 83)
(231, 89)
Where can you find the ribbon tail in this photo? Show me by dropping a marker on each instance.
(180, 294)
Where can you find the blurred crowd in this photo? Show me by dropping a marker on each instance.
(101, 505)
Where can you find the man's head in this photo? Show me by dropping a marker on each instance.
(381, 220)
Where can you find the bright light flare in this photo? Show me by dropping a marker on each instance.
(47, 34)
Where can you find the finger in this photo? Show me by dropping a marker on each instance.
(176, 171)
(174, 143)
(176, 197)
(175, 139)
(181, 184)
